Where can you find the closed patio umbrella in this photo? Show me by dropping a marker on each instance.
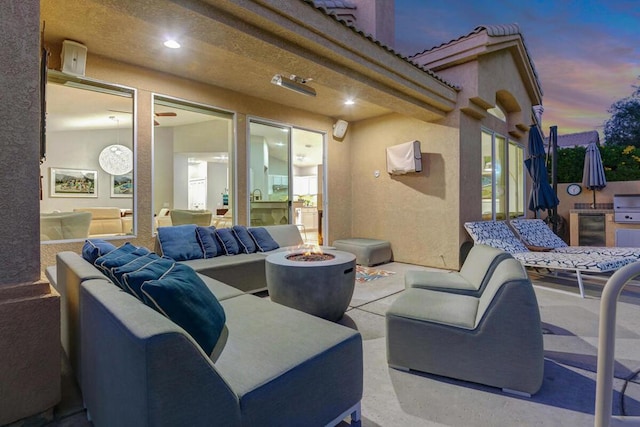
(593, 173)
(542, 195)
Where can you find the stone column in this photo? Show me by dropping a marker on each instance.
(29, 307)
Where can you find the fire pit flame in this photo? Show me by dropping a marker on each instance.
(310, 254)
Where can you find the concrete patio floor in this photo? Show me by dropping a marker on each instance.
(567, 396)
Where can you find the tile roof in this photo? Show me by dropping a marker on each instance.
(338, 4)
(494, 31)
(319, 5)
(580, 139)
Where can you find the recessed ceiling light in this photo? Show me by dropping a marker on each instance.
(172, 44)
(349, 102)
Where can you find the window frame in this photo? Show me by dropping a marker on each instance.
(497, 137)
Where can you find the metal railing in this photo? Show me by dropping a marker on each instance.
(606, 348)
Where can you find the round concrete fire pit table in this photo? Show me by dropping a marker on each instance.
(320, 287)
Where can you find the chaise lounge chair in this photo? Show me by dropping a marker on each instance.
(499, 235)
(534, 232)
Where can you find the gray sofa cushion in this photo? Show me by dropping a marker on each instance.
(285, 235)
(279, 360)
(243, 271)
(221, 290)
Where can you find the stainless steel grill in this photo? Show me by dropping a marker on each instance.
(626, 208)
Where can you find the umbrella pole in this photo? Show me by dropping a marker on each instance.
(594, 200)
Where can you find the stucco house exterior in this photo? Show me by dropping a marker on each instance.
(468, 101)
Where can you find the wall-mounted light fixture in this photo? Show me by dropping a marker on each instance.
(294, 83)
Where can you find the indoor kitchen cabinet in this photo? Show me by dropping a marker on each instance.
(310, 218)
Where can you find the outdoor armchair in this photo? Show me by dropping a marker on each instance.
(470, 280)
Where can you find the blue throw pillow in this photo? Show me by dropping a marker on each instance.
(134, 265)
(117, 257)
(247, 245)
(180, 242)
(153, 270)
(228, 241)
(184, 298)
(263, 239)
(209, 242)
(95, 248)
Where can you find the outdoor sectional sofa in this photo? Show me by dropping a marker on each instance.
(244, 271)
(271, 365)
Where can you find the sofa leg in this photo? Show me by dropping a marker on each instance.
(355, 415)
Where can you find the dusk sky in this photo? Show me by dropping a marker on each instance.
(586, 53)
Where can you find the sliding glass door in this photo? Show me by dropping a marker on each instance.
(269, 147)
(286, 170)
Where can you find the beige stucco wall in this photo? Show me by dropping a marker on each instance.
(417, 213)
(494, 78)
(148, 82)
(567, 202)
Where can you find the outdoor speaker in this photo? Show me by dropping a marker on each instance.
(340, 128)
(73, 58)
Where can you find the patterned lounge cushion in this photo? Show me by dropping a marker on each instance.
(228, 241)
(496, 234)
(95, 248)
(209, 242)
(153, 270)
(599, 250)
(482, 230)
(512, 246)
(582, 262)
(184, 298)
(264, 241)
(247, 245)
(180, 242)
(535, 232)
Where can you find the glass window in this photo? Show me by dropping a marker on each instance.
(502, 177)
(192, 162)
(487, 175)
(88, 171)
(516, 180)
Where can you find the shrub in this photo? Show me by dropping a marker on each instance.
(620, 163)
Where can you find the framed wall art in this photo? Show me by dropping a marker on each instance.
(73, 183)
(122, 185)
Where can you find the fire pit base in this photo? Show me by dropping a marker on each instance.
(322, 288)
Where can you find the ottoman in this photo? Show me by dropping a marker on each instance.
(368, 252)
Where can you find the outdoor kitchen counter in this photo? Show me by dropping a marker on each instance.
(610, 225)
